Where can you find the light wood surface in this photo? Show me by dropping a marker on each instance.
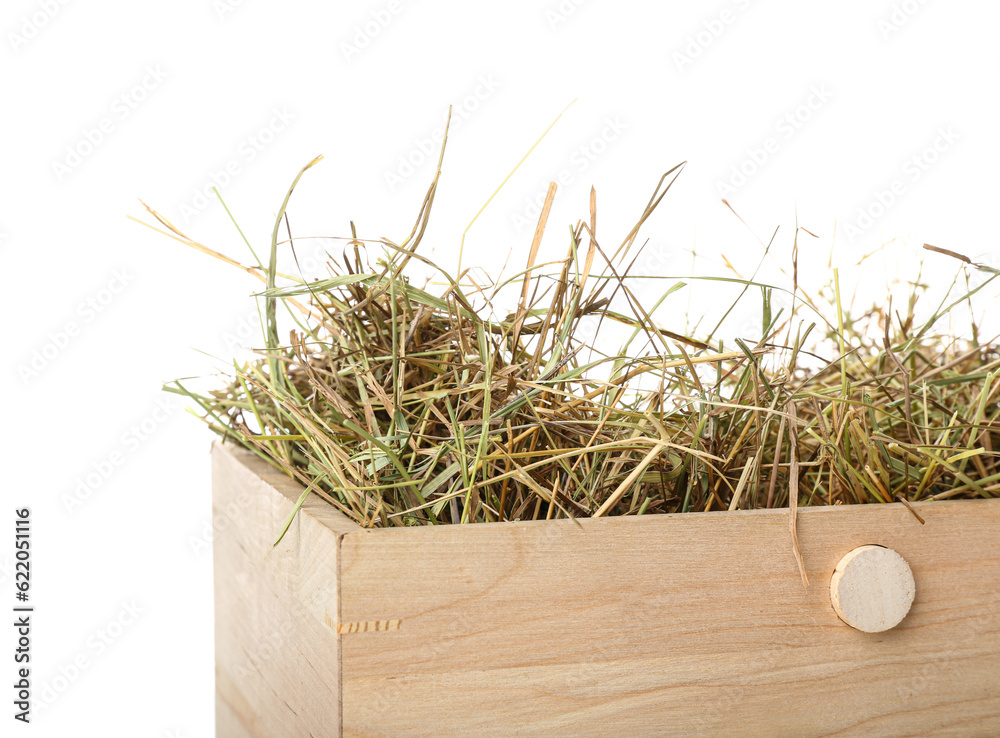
(872, 589)
(692, 624)
(276, 609)
(676, 625)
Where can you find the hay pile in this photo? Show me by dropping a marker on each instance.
(408, 406)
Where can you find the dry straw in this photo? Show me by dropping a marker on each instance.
(408, 406)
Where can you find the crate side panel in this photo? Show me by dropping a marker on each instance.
(277, 650)
(669, 625)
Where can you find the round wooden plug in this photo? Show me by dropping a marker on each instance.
(872, 589)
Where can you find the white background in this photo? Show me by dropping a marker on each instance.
(847, 93)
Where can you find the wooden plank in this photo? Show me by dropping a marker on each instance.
(276, 608)
(670, 625)
(665, 625)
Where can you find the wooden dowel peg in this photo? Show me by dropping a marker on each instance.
(872, 589)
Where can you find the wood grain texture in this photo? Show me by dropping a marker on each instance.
(662, 625)
(276, 609)
(670, 625)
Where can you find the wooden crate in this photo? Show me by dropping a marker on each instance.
(638, 626)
